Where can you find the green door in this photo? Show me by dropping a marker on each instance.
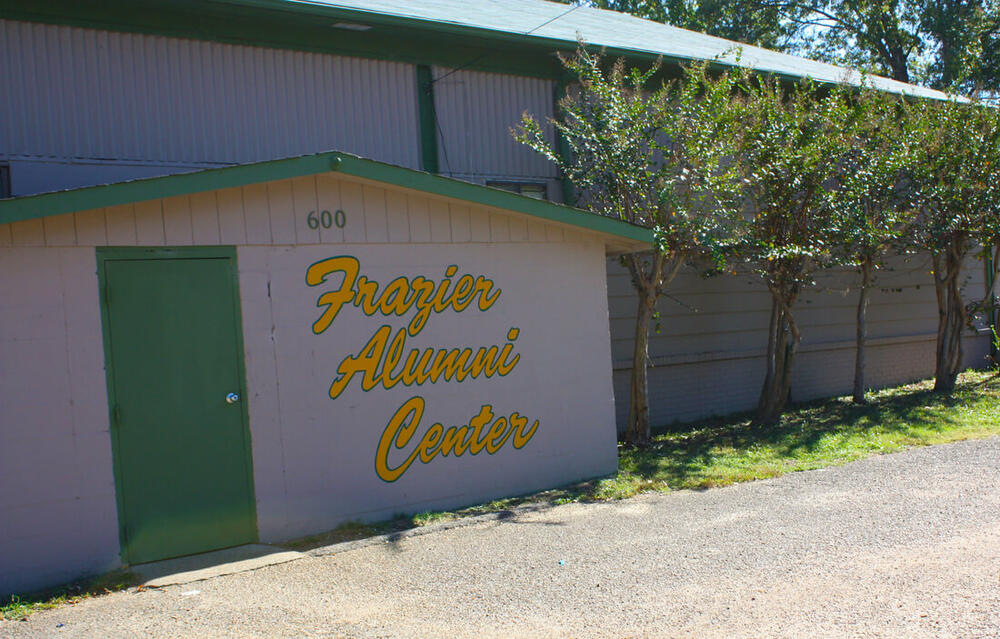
(175, 356)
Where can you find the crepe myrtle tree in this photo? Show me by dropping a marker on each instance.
(652, 154)
(957, 175)
(789, 147)
(873, 200)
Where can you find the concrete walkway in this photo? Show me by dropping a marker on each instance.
(208, 565)
(904, 545)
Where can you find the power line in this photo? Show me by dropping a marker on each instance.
(486, 55)
(430, 85)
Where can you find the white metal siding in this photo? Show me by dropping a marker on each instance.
(476, 112)
(84, 94)
(708, 357)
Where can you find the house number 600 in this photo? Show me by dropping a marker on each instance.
(326, 220)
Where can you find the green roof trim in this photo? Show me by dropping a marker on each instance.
(30, 207)
(94, 197)
(488, 196)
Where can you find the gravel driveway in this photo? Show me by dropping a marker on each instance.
(903, 545)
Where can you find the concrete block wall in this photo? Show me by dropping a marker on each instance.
(58, 496)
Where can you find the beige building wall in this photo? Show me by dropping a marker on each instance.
(314, 457)
(58, 517)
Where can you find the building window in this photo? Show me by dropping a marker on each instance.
(4, 181)
(536, 190)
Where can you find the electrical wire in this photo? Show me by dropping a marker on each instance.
(486, 55)
(465, 65)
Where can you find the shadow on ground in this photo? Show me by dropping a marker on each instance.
(831, 430)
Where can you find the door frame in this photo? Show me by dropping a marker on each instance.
(132, 253)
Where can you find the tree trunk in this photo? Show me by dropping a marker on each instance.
(638, 431)
(649, 278)
(993, 292)
(782, 344)
(898, 64)
(867, 267)
(951, 312)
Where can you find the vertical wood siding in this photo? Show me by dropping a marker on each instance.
(84, 94)
(277, 213)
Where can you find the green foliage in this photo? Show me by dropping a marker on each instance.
(21, 606)
(956, 171)
(787, 159)
(781, 180)
(880, 36)
(651, 156)
(728, 450)
(787, 155)
(874, 199)
(659, 157)
(723, 451)
(946, 44)
(965, 44)
(957, 178)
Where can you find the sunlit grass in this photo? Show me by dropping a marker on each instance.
(726, 451)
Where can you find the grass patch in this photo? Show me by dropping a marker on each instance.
(724, 451)
(721, 452)
(20, 606)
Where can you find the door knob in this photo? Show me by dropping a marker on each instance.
(232, 398)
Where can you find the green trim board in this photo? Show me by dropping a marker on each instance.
(517, 35)
(94, 197)
(487, 196)
(234, 523)
(47, 204)
(427, 119)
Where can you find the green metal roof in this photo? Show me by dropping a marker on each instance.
(513, 35)
(563, 26)
(94, 197)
